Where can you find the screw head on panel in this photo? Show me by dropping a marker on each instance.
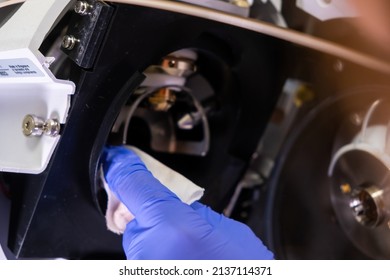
(36, 126)
(82, 8)
(69, 42)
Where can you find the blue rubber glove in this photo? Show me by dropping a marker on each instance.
(166, 228)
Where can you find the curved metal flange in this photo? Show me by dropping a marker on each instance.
(360, 193)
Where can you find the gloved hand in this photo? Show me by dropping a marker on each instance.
(166, 228)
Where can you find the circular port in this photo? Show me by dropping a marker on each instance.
(366, 205)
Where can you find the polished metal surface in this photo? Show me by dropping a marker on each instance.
(69, 42)
(82, 8)
(366, 204)
(363, 211)
(35, 126)
(360, 171)
(52, 127)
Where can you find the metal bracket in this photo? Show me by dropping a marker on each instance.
(86, 30)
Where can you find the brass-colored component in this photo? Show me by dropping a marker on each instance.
(345, 188)
(303, 94)
(162, 100)
(240, 3)
(33, 126)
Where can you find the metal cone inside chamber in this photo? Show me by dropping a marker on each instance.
(360, 171)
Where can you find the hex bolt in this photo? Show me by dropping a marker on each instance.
(82, 8)
(35, 126)
(69, 42)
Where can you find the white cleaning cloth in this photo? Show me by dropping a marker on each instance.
(118, 216)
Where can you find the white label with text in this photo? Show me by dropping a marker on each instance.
(19, 67)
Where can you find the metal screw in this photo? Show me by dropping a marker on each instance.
(52, 127)
(82, 8)
(35, 126)
(388, 224)
(69, 42)
(32, 126)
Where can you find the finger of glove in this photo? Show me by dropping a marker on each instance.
(219, 221)
(135, 186)
(244, 243)
(212, 217)
(114, 155)
(179, 236)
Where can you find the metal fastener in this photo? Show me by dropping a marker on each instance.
(82, 8)
(69, 42)
(35, 126)
(52, 127)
